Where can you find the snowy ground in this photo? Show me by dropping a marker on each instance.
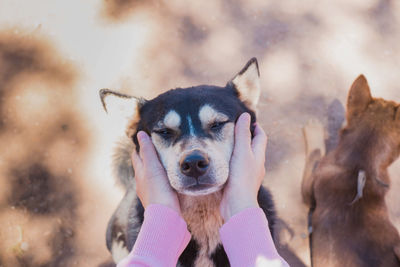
(56, 190)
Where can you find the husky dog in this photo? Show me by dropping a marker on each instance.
(193, 132)
(346, 189)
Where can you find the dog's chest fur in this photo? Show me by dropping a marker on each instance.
(204, 220)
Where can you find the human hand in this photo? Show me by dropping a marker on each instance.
(246, 170)
(152, 186)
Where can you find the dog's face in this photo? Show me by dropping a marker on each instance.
(368, 116)
(193, 128)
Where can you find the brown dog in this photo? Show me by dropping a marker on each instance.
(346, 189)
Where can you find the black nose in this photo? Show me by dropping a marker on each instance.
(195, 164)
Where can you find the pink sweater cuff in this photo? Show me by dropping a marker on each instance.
(162, 238)
(249, 228)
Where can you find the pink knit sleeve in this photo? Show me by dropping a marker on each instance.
(161, 240)
(247, 240)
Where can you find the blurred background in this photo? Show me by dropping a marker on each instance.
(56, 188)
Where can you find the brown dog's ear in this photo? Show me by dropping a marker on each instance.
(122, 106)
(247, 83)
(359, 97)
(397, 116)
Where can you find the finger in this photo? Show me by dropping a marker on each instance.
(136, 161)
(148, 153)
(242, 132)
(259, 142)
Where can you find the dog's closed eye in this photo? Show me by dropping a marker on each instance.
(165, 133)
(217, 125)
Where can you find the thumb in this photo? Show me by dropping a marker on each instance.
(147, 151)
(259, 142)
(242, 132)
(136, 161)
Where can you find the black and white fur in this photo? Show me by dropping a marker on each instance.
(188, 125)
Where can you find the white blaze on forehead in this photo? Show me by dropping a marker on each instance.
(172, 119)
(208, 115)
(190, 124)
(219, 151)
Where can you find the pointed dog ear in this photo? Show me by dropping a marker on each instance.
(359, 97)
(122, 105)
(397, 116)
(247, 83)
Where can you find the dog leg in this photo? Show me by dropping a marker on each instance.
(315, 150)
(116, 235)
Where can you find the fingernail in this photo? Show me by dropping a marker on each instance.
(246, 117)
(142, 136)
